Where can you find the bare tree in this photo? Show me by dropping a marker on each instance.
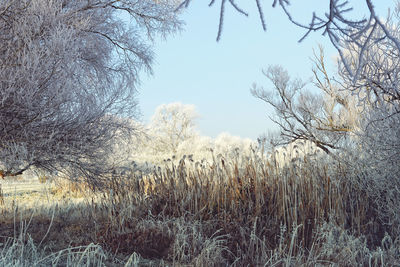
(325, 117)
(68, 71)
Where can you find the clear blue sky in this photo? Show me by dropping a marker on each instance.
(192, 68)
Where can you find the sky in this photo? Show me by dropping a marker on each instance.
(192, 68)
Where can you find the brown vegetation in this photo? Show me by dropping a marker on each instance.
(236, 212)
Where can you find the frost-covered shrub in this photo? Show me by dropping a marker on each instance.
(378, 164)
(226, 143)
(381, 141)
(172, 134)
(344, 249)
(196, 148)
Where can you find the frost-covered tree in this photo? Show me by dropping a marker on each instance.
(325, 117)
(171, 125)
(368, 47)
(68, 73)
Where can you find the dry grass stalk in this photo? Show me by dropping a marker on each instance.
(242, 211)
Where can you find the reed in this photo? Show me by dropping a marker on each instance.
(237, 211)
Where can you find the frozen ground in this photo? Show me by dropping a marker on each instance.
(24, 186)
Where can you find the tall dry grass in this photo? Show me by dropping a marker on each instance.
(238, 211)
(256, 206)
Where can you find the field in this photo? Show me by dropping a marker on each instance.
(238, 211)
